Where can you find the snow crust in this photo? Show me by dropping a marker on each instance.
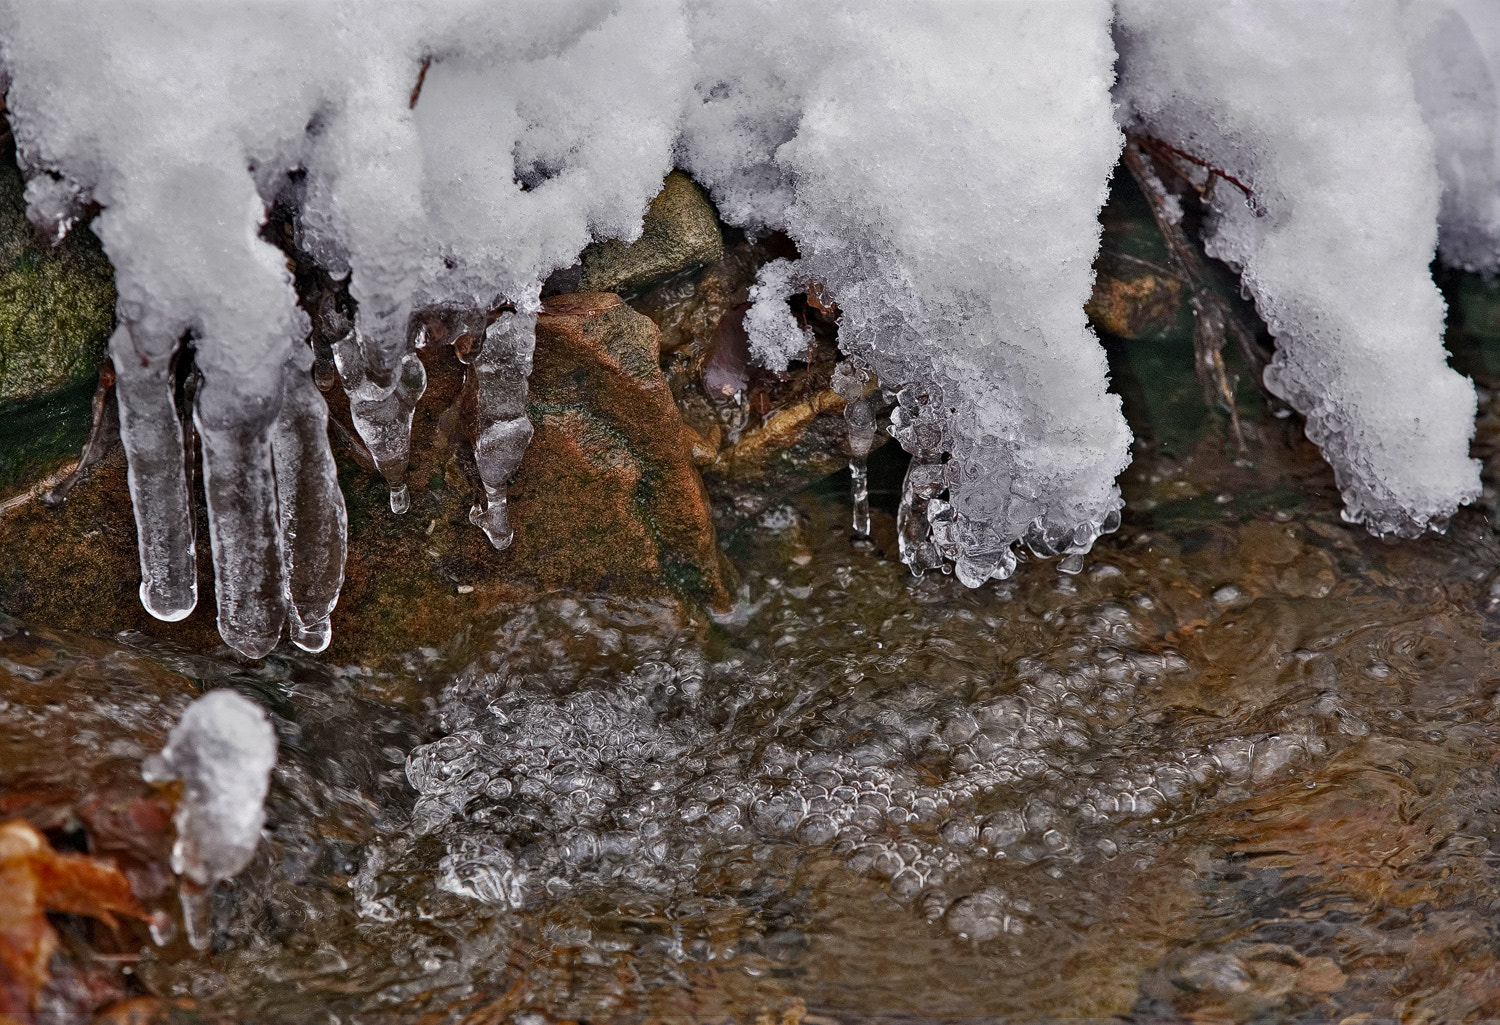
(1313, 108)
(939, 165)
(223, 751)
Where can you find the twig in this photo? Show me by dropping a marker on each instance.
(1156, 145)
(421, 77)
(104, 431)
(37, 490)
(1211, 314)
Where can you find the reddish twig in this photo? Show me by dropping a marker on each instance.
(421, 77)
(1157, 145)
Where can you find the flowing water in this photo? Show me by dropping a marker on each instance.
(1242, 767)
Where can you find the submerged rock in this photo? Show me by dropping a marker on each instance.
(681, 232)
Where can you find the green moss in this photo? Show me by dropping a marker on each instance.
(38, 434)
(56, 302)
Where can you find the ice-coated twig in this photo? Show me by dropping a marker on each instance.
(223, 750)
(314, 524)
(504, 429)
(153, 438)
(382, 416)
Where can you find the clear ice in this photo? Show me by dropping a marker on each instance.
(222, 750)
(861, 409)
(940, 168)
(502, 366)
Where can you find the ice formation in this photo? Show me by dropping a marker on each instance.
(951, 212)
(223, 751)
(1311, 108)
(449, 157)
(940, 167)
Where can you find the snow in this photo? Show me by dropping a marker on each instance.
(940, 167)
(958, 242)
(1313, 108)
(222, 750)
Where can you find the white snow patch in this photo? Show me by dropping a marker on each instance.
(223, 751)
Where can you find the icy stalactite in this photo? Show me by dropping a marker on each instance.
(504, 429)
(382, 415)
(223, 750)
(314, 524)
(1324, 192)
(156, 458)
(861, 408)
(957, 243)
(239, 485)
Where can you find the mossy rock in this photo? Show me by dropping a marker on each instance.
(680, 233)
(56, 302)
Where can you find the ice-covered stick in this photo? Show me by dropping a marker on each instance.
(223, 750)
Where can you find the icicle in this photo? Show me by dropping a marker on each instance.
(923, 483)
(243, 523)
(382, 416)
(153, 440)
(197, 915)
(862, 401)
(504, 429)
(314, 525)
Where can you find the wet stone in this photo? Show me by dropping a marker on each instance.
(680, 233)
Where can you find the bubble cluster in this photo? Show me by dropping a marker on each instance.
(653, 778)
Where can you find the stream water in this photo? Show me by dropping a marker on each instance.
(1242, 767)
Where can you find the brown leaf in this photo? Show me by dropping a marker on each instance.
(35, 879)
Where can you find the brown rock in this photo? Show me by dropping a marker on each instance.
(608, 495)
(607, 499)
(1133, 299)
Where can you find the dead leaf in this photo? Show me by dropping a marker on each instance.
(35, 879)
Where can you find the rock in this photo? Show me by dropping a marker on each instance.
(681, 232)
(56, 302)
(1135, 301)
(607, 500)
(608, 495)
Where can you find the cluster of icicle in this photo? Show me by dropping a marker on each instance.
(940, 167)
